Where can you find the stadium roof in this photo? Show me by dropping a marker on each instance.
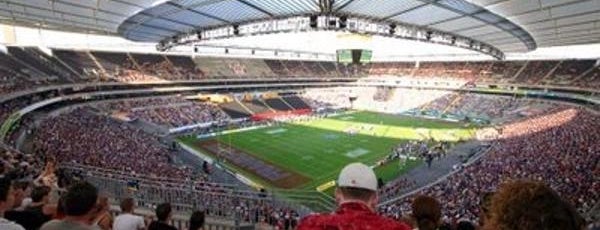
(512, 26)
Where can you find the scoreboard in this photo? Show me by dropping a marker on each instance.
(354, 56)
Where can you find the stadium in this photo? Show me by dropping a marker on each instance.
(250, 111)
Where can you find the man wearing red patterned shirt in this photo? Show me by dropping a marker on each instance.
(356, 196)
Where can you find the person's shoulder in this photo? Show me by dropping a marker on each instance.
(13, 227)
(313, 220)
(16, 216)
(387, 223)
(153, 225)
(160, 226)
(51, 225)
(128, 216)
(137, 218)
(9, 225)
(317, 216)
(321, 221)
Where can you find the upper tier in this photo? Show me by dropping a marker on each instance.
(27, 67)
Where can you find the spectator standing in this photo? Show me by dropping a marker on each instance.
(60, 209)
(523, 205)
(127, 220)
(426, 212)
(163, 214)
(197, 220)
(486, 203)
(38, 212)
(80, 207)
(22, 195)
(466, 225)
(104, 220)
(7, 198)
(356, 195)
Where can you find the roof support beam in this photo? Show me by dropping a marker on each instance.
(198, 12)
(256, 8)
(77, 26)
(61, 12)
(402, 12)
(528, 40)
(167, 19)
(326, 6)
(344, 5)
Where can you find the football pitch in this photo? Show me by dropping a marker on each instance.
(306, 154)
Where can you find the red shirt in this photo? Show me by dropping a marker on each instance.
(351, 216)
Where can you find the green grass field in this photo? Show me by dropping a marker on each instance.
(318, 149)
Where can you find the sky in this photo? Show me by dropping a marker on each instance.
(384, 48)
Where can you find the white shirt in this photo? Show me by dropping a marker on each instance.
(128, 221)
(26, 202)
(9, 225)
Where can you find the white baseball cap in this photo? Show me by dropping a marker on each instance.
(358, 175)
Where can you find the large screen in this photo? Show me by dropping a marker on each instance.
(366, 56)
(344, 56)
(355, 56)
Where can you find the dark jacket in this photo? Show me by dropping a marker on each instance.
(155, 225)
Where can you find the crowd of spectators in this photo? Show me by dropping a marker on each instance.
(98, 143)
(488, 106)
(171, 112)
(43, 66)
(218, 199)
(391, 68)
(128, 71)
(84, 66)
(402, 153)
(169, 68)
(35, 205)
(516, 204)
(163, 69)
(330, 68)
(397, 186)
(326, 98)
(439, 69)
(83, 137)
(559, 148)
(590, 80)
(568, 72)
(214, 199)
(289, 68)
(185, 67)
(519, 205)
(560, 73)
(14, 76)
(442, 103)
(18, 164)
(534, 72)
(383, 93)
(471, 106)
(235, 67)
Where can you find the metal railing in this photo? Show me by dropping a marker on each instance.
(181, 220)
(186, 195)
